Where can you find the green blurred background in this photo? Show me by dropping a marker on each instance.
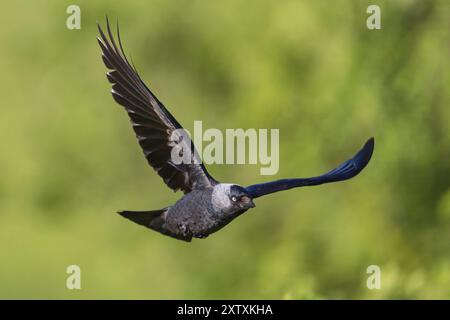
(312, 69)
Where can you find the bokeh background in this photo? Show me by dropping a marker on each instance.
(312, 69)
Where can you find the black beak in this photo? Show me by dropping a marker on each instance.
(248, 202)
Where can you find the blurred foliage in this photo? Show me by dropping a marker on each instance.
(310, 68)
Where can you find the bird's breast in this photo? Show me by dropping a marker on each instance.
(193, 214)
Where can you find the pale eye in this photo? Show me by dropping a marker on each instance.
(233, 198)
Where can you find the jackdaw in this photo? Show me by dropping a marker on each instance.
(207, 205)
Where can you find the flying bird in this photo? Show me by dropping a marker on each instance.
(207, 205)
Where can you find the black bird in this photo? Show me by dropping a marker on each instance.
(207, 205)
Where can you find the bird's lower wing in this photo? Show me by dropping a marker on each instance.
(346, 170)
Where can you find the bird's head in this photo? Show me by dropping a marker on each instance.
(240, 198)
(231, 198)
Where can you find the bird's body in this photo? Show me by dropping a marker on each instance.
(207, 204)
(197, 214)
(194, 214)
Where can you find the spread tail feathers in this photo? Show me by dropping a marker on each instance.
(143, 217)
(154, 220)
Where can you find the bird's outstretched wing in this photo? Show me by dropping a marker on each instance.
(346, 170)
(153, 124)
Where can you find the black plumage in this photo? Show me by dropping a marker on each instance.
(151, 121)
(207, 205)
(346, 170)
